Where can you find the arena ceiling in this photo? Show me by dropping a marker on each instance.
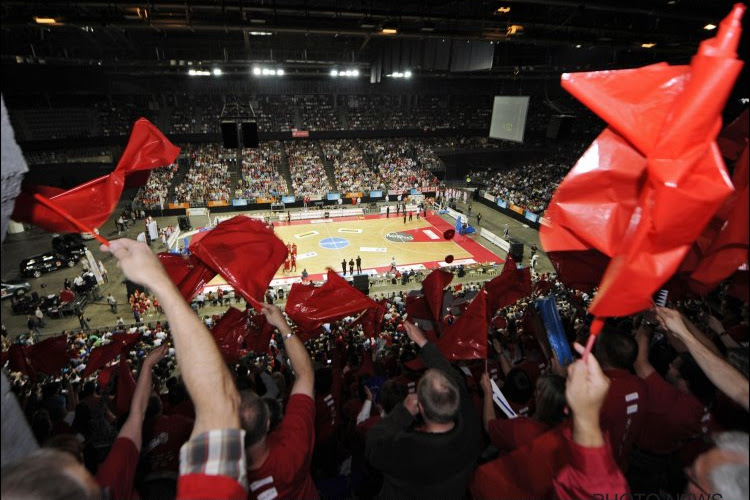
(312, 36)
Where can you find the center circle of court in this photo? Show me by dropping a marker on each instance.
(334, 243)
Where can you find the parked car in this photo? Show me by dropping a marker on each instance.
(90, 236)
(46, 262)
(69, 244)
(14, 288)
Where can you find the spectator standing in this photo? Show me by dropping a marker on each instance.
(388, 212)
(506, 233)
(39, 316)
(82, 320)
(103, 271)
(112, 303)
(351, 266)
(359, 264)
(120, 321)
(305, 275)
(534, 259)
(479, 218)
(32, 324)
(343, 266)
(437, 459)
(279, 461)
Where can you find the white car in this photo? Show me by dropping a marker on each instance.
(89, 236)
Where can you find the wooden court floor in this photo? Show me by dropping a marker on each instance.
(325, 244)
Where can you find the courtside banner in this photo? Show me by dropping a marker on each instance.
(376, 194)
(531, 216)
(502, 203)
(179, 205)
(333, 196)
(239, 202)
(288, 199)
(415, 191)
(221, 203)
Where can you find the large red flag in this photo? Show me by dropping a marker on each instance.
(416, 307)
(372, 319)
(466, 338)
(310, 307)
(511, 285)
(106, 353)
(245, 253)
(579, 269)
(432, 289)
(94, 201)
(189, 274)
(733, 139)
(50, 356)
(125, 386)
(230, 333)
(663, 123)
(19, 361)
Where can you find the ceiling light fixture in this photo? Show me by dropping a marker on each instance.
(280, 72)
(217, 72)
(709, 27)
(648, 45)
(503, 10)
(45, 20)
(334, 72)
(515, 29)
(389, 30)
(407, 74)
(256, 71)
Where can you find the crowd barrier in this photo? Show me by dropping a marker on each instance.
(321, 214)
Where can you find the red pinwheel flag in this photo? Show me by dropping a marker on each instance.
(310, 307)
(655, 178)
(49, 356)
(416, 307)
(244, 252)
(230, 333)
(189, 274)
(125, 386)
(511, 285)
(432, 289)
(93, 202)
(466, 338)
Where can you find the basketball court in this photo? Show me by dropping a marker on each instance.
(376, 239)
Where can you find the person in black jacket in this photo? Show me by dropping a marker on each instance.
(435, 459)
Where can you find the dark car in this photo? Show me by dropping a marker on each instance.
(14, 289)
(46, 262)
(69, 244)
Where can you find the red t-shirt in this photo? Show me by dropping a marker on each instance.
(623, 413)
(117, 472)
(163, 438)
(202, 486)
(509, 434)
(326, 418)
(673, 417)
(286, 471)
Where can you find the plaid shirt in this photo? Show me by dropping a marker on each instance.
(218, 452)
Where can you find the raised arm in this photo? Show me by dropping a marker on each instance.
(133, 426)
(433, 358)
(488, 405)
(206, 377)
(304, 374)
(723, 375)
(642, 366)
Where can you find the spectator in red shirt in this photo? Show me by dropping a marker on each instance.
(509, 434)
(623, 411)
(279, 461)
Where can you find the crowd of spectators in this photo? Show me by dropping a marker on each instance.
(307, 169)
(318, 113)
(261, 172)
(350, 170)
(208, 178)
(274, 113)
(398, 162)
(195, 115)
(154, 194)
(375, 112)
(353, 412)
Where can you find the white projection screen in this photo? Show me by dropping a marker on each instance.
(509, 117)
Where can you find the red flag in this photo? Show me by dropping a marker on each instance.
(105, 375)
(260, 334)
(466, 338)
(125, 386)
(18, 360)
(106, 353)
(93, 202)
(416, 307)
(432, 289)
(49, 356)
(245, 253)
(372, 319)
(310, 307)
(230, 333)
(580, 269)
(189, 274)
(647, 221)
(728, 251)
(512, 284)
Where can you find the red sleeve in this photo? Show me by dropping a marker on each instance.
(201, 486)
(297, 430)
(509, 434)
(117, 472)
(589, 473)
